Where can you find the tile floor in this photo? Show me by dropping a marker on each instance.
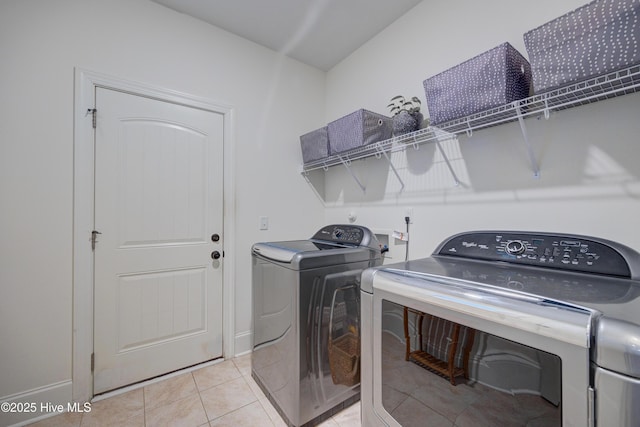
(223, 394)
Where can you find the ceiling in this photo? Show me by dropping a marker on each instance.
(320, 33)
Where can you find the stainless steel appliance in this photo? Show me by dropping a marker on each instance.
(306, 320)
(504, 328)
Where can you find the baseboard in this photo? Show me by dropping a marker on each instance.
(243, 343)
(39, 403)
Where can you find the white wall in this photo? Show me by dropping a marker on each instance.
(40, 44)
(588, 155)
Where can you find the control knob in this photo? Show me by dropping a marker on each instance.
(515, 247)
(337, 233)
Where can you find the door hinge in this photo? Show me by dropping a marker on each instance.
(93, 112)
(93, 361)
(94, 239)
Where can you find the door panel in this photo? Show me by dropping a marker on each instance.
(162, 306)
(158, 186)
(163, 169)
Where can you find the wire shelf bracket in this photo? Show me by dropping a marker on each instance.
(456, 181)
(382, 153)
(347, 164)
(525, 136)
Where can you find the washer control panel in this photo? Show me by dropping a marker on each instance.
(579, 253)
(345, 234)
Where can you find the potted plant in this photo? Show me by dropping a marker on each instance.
(405, 114)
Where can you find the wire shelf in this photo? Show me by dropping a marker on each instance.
(593, 90)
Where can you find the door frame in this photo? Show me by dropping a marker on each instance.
(85, 82)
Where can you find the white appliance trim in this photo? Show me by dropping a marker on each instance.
(83, 193)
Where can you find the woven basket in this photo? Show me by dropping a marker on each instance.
(314, 145)
(496, 77)
(344, 359)
(598, 38)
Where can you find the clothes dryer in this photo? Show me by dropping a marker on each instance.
(504, 328)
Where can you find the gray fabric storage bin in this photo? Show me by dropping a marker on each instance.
(597, 38)
(496, 77)
(357, 129)
(314, 145)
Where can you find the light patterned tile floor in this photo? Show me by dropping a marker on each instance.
(222, 394)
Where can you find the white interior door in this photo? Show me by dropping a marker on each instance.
(158, 201)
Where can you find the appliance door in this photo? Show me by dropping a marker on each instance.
(331, 339)
(518, 359)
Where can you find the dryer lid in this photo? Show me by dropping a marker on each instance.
(286, 251)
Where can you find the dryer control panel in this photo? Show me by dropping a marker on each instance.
(567, 252)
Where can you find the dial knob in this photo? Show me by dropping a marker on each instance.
(515, 247)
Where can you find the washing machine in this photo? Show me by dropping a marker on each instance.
(306, 320)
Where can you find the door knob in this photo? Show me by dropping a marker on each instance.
(215, 237)
(215, 254)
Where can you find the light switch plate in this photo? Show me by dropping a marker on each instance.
(264, 223)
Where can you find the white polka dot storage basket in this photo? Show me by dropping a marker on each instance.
(314, 145)
(597, 38)
(360, 128)
(494, 78)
